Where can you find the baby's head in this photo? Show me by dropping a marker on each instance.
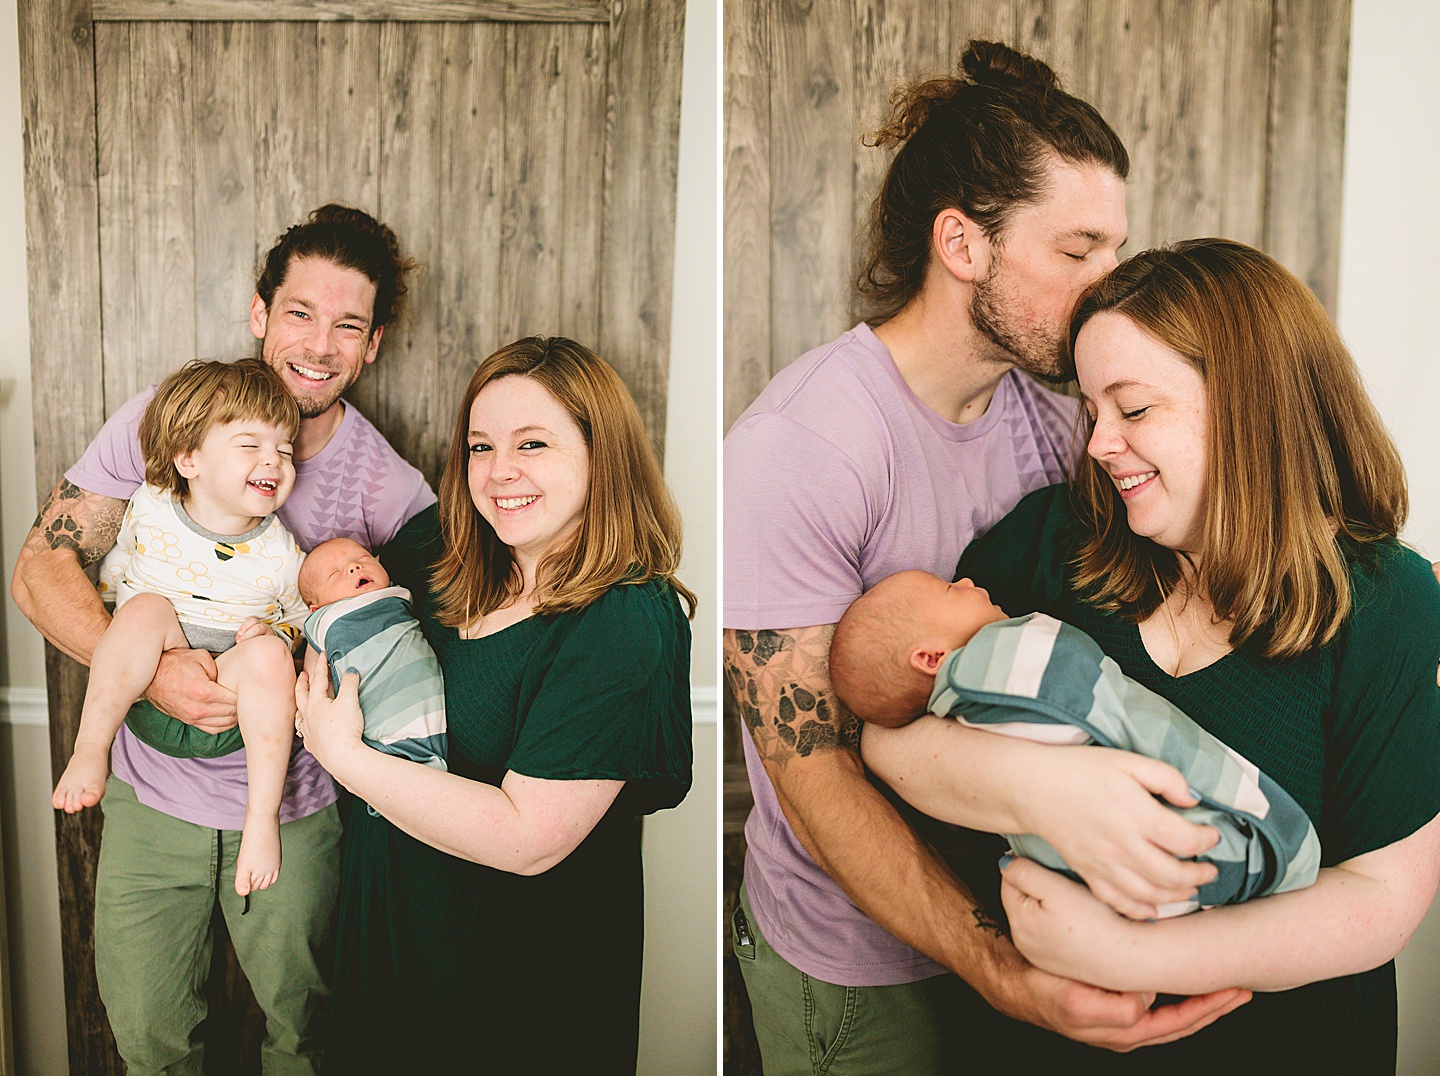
(339, 568)
(202, 396)
(889, 644)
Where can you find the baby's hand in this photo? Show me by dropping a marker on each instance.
(251, 627)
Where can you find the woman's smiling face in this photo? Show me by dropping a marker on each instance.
(529, 466)
(1151, 432)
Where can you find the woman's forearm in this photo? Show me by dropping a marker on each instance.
(1355, 917)
(526, 826)
(964, 776)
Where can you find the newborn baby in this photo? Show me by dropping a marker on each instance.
(914, 642)
(360, 623)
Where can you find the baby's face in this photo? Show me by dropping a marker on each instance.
(955, 611)
(339, 568)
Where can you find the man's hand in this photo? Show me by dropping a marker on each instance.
(1112, 1021)
(184, 687)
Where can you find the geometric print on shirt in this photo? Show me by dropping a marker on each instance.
(213, 581)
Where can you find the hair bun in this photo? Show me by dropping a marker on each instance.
(989, 63)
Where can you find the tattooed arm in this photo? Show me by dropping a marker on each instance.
(74, 530)
(809, 744)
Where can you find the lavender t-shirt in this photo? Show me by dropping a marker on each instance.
(356, 487)
(836, 477)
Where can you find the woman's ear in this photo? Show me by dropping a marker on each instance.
(961, 246)
(927, 661)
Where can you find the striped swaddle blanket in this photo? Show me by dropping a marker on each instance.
(402, 692)
(1039, 679)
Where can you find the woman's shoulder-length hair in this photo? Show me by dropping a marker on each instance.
(629, 529)
(1298, 457)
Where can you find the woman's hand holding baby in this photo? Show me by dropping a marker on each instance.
(330, 727)
(1060, 927)
(1101, 810)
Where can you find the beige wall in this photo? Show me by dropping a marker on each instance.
(1388, 313)
(678, 1005)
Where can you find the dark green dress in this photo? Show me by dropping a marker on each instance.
(442, 962)
(1351, 730)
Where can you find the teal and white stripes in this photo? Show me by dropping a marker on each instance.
(1039, 679)
(402, 692)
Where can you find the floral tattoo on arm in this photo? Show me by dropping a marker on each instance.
(85, 523)
(781, 683)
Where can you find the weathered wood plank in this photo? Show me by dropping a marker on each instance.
(283, 89)
(1057, 31)
(812, 125)
(1307, 141)
(224, 195)
(582, 54)
(348, 103)
(747, 205)
(349, 99)
(533, 184)
(57, 94)
(353, 10)
(163, 166)
(472, 160)
(116, 180)
(642, 149)
(1125, 37)
(1210, 143)
(407, 410)
(897, 42)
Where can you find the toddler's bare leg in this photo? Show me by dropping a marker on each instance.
(261, 672)
(121, 668)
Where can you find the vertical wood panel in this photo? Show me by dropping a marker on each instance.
(1126, 39)
(747, 204)
(533, 184)
(117, 208)
(582, 52)
(1059, 31)
(404, 377)
(896, 42)
(472, 153)
(813, 129)
(1307, 140)
(642, 150)
(286, 157)
(224, 190)
(348, 66)
(164, 168)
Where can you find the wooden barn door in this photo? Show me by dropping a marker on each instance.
(1233, 112)
(524, 151)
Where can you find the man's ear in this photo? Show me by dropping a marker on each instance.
(374, 348)
(961, 246)
(927, 661)
(259, 317)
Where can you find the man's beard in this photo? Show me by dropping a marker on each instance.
(1034, 350)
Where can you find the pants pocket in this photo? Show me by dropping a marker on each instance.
(742, 937)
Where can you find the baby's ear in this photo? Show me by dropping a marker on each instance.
(927, 661)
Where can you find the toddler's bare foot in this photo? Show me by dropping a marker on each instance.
(258, 864)
(83, 782)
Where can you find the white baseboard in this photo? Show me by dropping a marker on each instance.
(24, 706)
(28, 706)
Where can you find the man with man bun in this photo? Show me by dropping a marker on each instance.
(885, 450)
(325, 293)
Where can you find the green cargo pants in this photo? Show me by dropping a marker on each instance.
(158, 880)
